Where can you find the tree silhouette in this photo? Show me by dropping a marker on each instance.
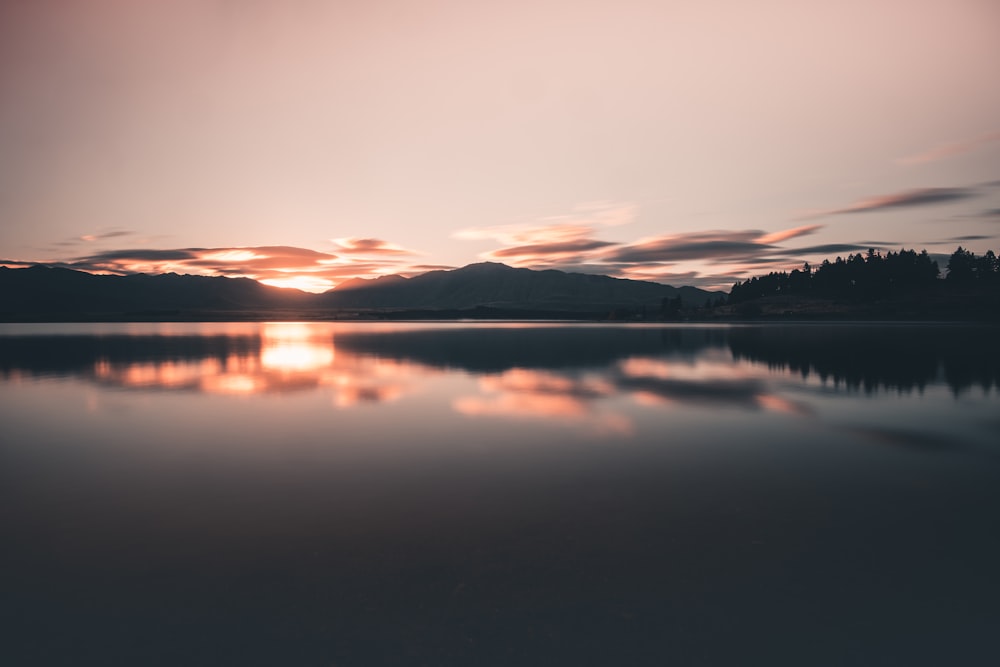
(962, 266)
(861, 277)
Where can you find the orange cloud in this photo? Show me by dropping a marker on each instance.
(280, 266)
(784, 235)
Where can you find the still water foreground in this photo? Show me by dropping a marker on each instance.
(502, 494)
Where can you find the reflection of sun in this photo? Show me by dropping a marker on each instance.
(296, 356)
(287, 346)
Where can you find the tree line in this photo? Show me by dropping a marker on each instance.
(872, 276)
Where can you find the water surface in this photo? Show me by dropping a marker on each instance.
(496, 494)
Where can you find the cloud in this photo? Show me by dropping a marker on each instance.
(778, 237)
(115, 233)
(140, 255)
(732, 245)
(282, 266)
(908, 198)
(831, 248)
(544, 250)
(369, 247)
(970, 237)
(92, 238)
(528, 234)
(583, 222)
(550, 241)
(950, 149)
(570, 243)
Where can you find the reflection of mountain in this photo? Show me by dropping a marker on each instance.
(653, 361)
(497, 349)
(79, 354)
(38, 292)
(902, 357)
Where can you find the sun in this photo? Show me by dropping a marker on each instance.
(313, 284)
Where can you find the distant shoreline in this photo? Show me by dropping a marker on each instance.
(477, 315)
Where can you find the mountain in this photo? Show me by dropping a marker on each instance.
(41, 290)
(50, 293)
(500, 286)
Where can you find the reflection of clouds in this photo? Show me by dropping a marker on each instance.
(521, 393)
(164, 375)
(291, 357)
(571, 399)
(708, 381)
(546, 384)
(775, 403)
(584, 391)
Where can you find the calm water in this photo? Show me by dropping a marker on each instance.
(348, 494)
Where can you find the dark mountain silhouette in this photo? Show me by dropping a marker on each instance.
(47, 293)
(40, 290)
(500, 286)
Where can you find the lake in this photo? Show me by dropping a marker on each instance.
(499, 494)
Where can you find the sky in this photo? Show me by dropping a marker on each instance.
(305, 142)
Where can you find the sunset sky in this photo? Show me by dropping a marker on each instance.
(303, 142)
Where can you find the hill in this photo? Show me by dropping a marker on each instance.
(47, 293)
(500, 286)
(41, 291)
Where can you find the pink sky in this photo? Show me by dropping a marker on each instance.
(306, 142)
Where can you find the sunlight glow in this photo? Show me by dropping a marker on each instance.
(313, 284)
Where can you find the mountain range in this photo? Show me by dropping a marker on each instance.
(41, 291)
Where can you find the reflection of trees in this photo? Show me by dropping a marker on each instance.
(870, 357)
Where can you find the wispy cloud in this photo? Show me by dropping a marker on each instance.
(950, 149)
(556, 250)
(557, 240)
(731, 245)
(583, 222)
(833, 248)
(687, 247)
(908, 198)
(93, 238)
(969, 237)
(784, 235)
(112, 234)
(569, 245)
(356, 246)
